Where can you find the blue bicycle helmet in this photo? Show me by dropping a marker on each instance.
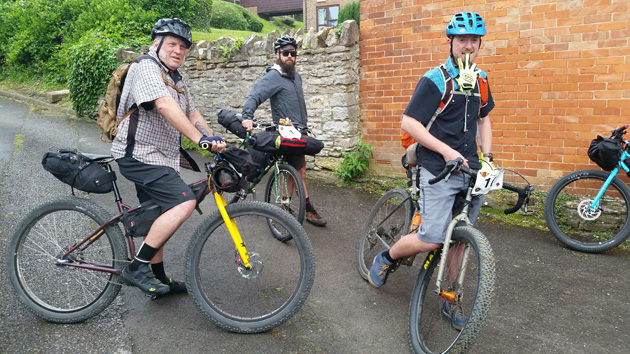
(466, 23)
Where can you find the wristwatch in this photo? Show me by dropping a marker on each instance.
(489, 156)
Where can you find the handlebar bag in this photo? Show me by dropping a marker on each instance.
(229, 119)
(240, 159)
(605, 152)
(74, 169)
(272, 142)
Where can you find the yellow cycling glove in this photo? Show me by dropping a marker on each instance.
(468, 74)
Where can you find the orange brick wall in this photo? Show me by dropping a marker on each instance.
(559, 73)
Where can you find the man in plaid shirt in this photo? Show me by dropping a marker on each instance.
(147, 147)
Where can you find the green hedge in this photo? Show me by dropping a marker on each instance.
(230, 16)
(349, 12)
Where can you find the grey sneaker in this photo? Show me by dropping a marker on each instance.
(144, 279)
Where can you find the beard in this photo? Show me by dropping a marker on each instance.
(288, 69)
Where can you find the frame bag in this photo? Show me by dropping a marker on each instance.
(78, 171)
(605, 152)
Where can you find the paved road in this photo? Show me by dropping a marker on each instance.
(549, 299)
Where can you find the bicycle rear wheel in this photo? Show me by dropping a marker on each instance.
(388, 221)
(46, 283)
(256, 300)
(430, 330)
(285, 189)
(568, 216)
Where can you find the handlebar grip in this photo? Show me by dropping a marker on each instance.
(441, 176)
(522, 194)
(204, 145)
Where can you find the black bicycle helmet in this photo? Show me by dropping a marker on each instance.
(283, 41)
(225, 178)
(174, 27)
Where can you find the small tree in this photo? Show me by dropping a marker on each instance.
(349, 12)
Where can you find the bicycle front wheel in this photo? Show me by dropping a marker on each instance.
(571, 220)
(431, 329)
(388, 221)
(285, 189)
(48, 284)
(257, 299)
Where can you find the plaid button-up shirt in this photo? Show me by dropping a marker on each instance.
(155, 142)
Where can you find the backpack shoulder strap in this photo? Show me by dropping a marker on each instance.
(143, 57)
(446, 96)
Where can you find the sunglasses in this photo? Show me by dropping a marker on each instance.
(292, 53)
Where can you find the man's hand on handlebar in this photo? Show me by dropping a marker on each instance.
(212, 143)
(452, 154)
(248, 124)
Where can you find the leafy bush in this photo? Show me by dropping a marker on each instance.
(201, 15)
(349, 12)
(228, 16)
(253, 24)
(93, 60)
(354, 163)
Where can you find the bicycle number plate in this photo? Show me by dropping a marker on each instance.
(488, 180)
(289, 132)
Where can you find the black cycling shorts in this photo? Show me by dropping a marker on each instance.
(158, 183)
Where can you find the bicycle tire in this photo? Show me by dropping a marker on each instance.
(54, 292)
(393, 212)
(259, 300)
(580, 230)
(430, 330)
(274, 195)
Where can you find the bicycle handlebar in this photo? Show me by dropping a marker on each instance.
(523, 193)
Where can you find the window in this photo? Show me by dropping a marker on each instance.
(327, 16)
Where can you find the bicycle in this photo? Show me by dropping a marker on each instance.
(283, 184)
(588, 210)
(441, 280)
(65, 257)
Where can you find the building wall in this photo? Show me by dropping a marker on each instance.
(273, 6)
(310, 10)
(559, 74)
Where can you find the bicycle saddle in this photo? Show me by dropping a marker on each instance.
(98, 158)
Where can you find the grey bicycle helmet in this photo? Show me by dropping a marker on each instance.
(466, 23)
(284, 41)
(174, 27)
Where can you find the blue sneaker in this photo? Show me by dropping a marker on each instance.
(379, 271)
(456, 313)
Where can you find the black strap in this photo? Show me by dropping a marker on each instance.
(192, 165)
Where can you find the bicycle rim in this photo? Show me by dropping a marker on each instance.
(57, 292)
(286, 191)
(388, 221)
(575, 224)
(430, 329)
(257, 300)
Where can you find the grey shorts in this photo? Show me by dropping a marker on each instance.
(436, 204)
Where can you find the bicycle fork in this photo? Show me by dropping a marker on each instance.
(243, 255)
(452, 295)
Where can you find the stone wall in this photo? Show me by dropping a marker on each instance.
(220, 74)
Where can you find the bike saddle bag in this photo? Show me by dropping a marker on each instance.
(79, 171)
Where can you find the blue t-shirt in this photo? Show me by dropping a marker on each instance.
(456, 125)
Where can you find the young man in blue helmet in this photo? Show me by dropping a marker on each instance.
(154, 117)
(451, 135)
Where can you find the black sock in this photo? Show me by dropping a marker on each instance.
(388, 257)
(144, 255)
(309, 206)
(158, 270)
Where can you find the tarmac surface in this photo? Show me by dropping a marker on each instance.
(548, 299)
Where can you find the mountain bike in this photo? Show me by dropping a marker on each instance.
(588, 210)
(284, 188)
(65, 257)
(461, 272)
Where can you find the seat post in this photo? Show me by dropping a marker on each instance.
(114, 185)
